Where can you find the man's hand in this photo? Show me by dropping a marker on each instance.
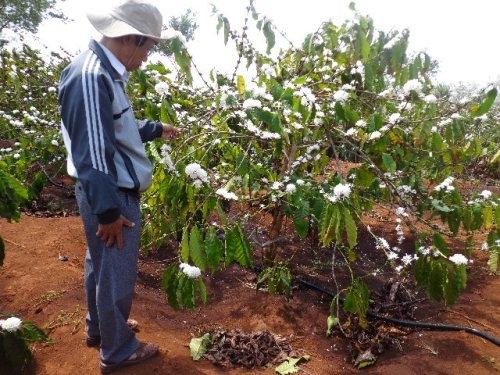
(112, 232)
(170, 132)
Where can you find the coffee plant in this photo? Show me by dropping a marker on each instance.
(273, 139)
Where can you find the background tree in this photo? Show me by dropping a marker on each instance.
(26, 15)
(185, 24)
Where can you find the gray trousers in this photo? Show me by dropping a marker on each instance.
(110, 276)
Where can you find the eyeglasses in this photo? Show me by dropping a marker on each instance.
(143, 41)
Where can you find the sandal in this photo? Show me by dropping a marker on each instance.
(143, 353)
(96, 340)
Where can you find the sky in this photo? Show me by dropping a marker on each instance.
(463, 35)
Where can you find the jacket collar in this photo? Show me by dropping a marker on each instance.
(97, 49)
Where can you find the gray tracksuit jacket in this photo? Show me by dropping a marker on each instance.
(103, 139)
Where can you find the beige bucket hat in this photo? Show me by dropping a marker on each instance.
(129, 17)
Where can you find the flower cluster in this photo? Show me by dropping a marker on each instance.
(340, 192)
(11, 324)
(226, 194)
(459, 259)
(197, 173)
(190, 271)
(446, 185)
(166, 159)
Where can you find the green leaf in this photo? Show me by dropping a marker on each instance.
(421, 271)
(437, 278)
(331, 322)
(238, 247)
(454, 222)
(167, 114)
(290, 365)
(213, 248)
(486, 105)
(357, 301)
(196, 249)
(224, 22)
(494, 260)
(12, 195)
(267, 29)
(350, 228)
(169, 284)
(186, 292)
(487, 217)
(32, 333)
(364, 176)
(329, 224)
(203, 291)
(199, 346)
(185, 245)
(182, 57)
(301, 218)
(389, 163)
(437, 143)
(440, 244)
(440, 206)
(495, 158)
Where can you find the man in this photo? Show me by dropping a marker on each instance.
(106, 155)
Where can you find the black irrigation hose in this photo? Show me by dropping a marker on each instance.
(409, 323)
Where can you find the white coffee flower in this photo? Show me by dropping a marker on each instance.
(430, 98)
(445, 184)
(196, 172)
(162, 88)
(486, 194)
(458, 259)
(341, 96)
(11, 324)
(252, 103)
(375, 135)
(226, 194)
(412, 85)
(190, 271)
(394, 118)
(290, 188)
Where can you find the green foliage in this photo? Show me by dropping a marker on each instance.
(238, 247)
(273, 143)
(442, 279)
(30, 144)
(483, 108)
(493, 244)
(12, 195)
(350, 95)
(336, 220)
(181, 289)
(357, 301)
(278, 279)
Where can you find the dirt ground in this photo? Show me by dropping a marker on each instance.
(47, 291)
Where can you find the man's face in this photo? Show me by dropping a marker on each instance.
(137, 54)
